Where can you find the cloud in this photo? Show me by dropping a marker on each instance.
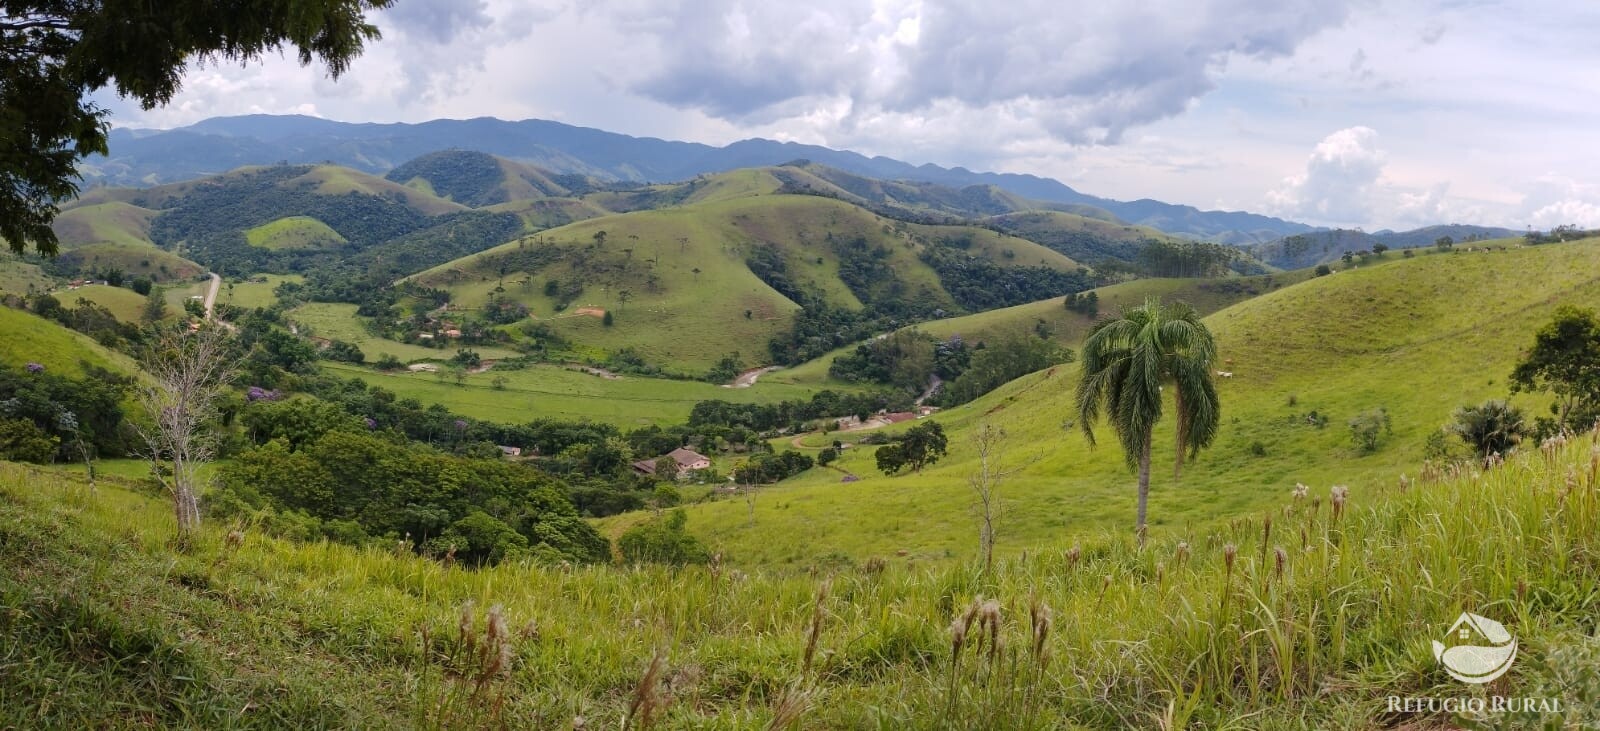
(438, 21)
(1553, 200)
(446, 41)
(1085, 76)
(1338, 183)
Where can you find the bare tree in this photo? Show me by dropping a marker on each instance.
(990, 444)
(188, 371)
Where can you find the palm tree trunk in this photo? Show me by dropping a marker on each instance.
(1183, 430)
(1144, 485)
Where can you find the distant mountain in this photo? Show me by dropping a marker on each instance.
(1322, 247)
(149, 157)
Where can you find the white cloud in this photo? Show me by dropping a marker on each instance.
(1338, 183)
(1085, 76)
(1554, 200)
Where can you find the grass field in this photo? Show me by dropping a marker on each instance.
(254, 294)
(20, 277)
(294, 232)
(339, 322)
(1313, 624)
(125, 303)
(29, 338)
(1395, 336)
(553, 391)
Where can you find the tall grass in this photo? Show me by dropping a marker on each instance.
(1306, 616)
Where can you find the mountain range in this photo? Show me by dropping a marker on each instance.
(149, 157)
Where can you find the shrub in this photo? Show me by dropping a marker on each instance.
(1493, 427)
(22, 441)
(1368, 429)
(663, 540)
(1323, 270)
(827, 456)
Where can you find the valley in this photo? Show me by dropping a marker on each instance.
(678, 424)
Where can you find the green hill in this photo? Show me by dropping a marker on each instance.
(33, 339)
(1083, 238)
(116, 234)
(294, 232)
(1394, 336)
(691, 295)
(476, 179)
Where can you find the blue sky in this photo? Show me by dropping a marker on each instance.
(1334, 112)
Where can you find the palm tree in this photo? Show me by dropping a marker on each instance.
(1127, 362)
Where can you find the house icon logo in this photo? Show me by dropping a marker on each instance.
(1481, 649)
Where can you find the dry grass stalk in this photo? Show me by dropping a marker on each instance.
(647, 700)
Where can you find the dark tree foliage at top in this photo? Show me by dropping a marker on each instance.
(54, 53)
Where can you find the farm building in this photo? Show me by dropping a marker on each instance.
(688, 461)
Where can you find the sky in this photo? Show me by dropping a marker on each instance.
(1353, 113)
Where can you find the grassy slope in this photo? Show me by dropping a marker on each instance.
(335, 180)
(1045, 223)
(542, 213)
(114, 233)
(678, 324)
(293, 232)
(111, 222)
(1396, 335)
(125, 303)
(108, 626)
(19, 277)
(254, 294)
(553, 391)
(1069, 328)
(29, 338)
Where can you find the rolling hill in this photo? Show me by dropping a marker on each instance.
(477, 179)
(217, 145)
(1325, 247)
(1384, 336)
(115, 234)
(680, 284)
(1052, 318)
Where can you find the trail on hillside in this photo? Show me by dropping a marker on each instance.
(749, 378)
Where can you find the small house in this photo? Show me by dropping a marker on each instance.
(510, 451)
(688, 461)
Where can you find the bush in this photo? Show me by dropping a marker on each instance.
(663, 540)
(1493, 427)
(827, 456)
(344, 352)
(1323, 270)
(1368, 429)
(22, 441)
